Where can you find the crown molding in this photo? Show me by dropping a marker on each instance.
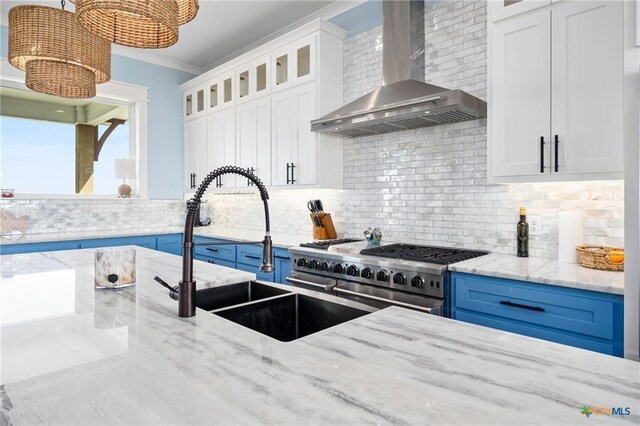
(326, 13)
(133, 53)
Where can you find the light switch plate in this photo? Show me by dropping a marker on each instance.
(534, 225)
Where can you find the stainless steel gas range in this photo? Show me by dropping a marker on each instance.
(410, 276)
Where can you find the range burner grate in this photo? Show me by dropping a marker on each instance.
(324, 244)
(431, 254)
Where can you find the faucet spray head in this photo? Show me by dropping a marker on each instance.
(267, 255)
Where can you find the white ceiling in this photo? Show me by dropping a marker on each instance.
(222, 28)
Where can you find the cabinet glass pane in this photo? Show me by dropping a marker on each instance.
(227, 90)
(261, 77)
(282, 65)
(189, 105)
(214, 96)
(304, 60)
(244, 84)
(510, 2)
(200, 100)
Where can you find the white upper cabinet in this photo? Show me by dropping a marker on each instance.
(253, 138)
(555, 98)
(195, 152)
(259, 109)
(500, 9)
(221, 142)
(587, 81)
(521, 95)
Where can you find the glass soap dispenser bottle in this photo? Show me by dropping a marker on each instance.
(522, 234)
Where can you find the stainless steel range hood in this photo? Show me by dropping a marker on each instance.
(405, 101)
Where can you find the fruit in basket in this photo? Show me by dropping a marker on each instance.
(616, 256)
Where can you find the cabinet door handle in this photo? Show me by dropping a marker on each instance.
(541, 154)
(282, 257)
(288, 174)
(220, 184)
(250, 256)
(292, 174)
(557, 163)
(211, 249)
(519, 305)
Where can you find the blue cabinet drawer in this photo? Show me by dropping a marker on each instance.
(541, 306)
(255, 270)
(250, 255)
(215, 261)
(221, 252)
(605, 347)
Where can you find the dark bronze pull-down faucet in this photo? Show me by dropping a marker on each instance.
(186, 291)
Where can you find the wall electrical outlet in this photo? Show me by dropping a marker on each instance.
(535, 227)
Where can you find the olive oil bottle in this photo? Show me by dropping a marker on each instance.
(522, 234)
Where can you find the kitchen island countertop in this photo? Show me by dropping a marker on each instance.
(73, 355)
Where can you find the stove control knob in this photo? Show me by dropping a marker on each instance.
(325, 266)
(302, 262)
(399, 278)
(382, 276)
(353, 271)
(366, 273)
(313, 264)
(417, 282)
(338, 269)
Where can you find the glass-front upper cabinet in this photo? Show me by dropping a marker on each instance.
(295, 63)
(501, 9)
(194, 102)
(253, 79)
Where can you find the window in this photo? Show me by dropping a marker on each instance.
(48, 145)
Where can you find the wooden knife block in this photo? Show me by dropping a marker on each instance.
(325, 232)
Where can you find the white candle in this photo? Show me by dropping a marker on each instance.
(570, 235)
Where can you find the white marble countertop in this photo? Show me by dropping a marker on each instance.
(545, 271)
(71, 355)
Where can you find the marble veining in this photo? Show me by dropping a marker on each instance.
(545, 271)
(86, 357)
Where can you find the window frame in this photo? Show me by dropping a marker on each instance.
(135, 97)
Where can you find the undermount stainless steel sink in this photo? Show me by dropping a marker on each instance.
(276, 313)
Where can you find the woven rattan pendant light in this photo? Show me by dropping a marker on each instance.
(60, 58)
(148, 24)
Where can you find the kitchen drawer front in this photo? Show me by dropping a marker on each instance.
(215, 261)
(605, 347)
(548, 307)
(222, 252)
(250, 255)
(282, 261)
(255, 270)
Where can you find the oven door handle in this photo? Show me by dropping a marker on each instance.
(382, 299)
(328, 287)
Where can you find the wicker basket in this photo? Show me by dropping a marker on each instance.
(597, 257)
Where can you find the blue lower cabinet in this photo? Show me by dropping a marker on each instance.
(256, 270)
(37, 247)
(170, 243)
(282, 261)
(585, 319)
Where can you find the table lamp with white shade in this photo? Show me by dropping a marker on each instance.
(125, 168)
